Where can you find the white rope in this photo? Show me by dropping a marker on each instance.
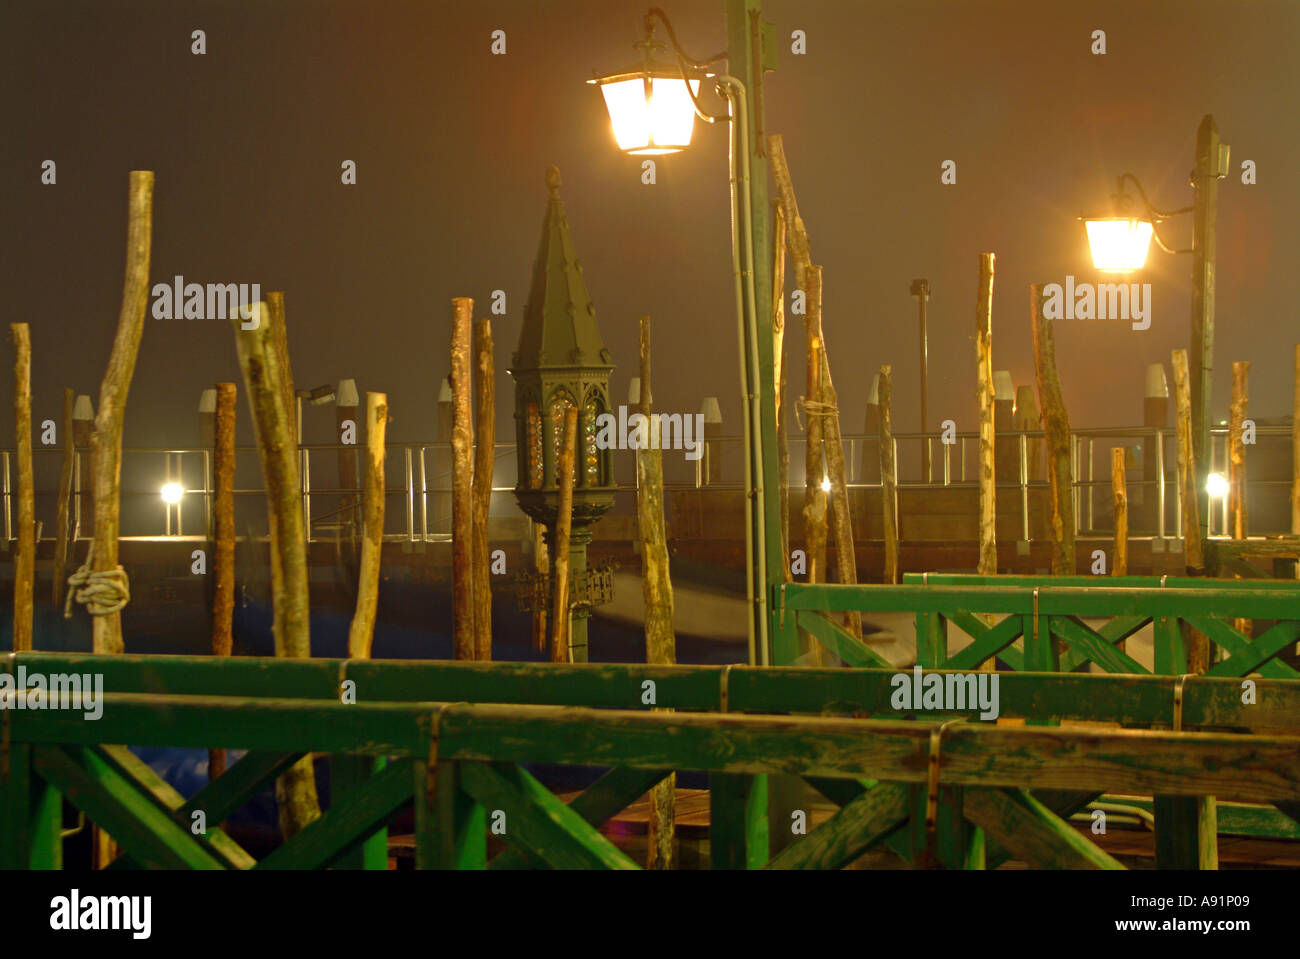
(102, 592)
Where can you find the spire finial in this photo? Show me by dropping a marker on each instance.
(553, 180)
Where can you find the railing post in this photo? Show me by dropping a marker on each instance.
(410, 495)
(31, 815)
(450, 826)
(738, 826)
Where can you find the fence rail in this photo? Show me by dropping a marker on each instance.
(458, 763)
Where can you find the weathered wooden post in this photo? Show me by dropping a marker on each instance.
(1056, 424)
(65, 495)
(361, 636)
(563, 526)
(347, 422)
(814, 502)
(25, 559)
(984, 389)
(1237, 449)
(484, 464)
(824, 405)
(223, 553)
(1119, 492)
(1237, 516)
(888, 476)
(462, 473)
(1187, 467)
(101, 585)
(846, 561)
(778, 358)
(273, 413)
(657, 591)
(1119, 489)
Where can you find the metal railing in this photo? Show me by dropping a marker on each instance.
(425, 481)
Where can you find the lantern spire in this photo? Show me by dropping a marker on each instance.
(559, 328)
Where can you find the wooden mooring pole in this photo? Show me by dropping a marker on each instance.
(1237, 449)
(104, 588)
(1056, 426)
(223, 553)
(65, 497)
(1237, 518)
(1119, 489)
(361, 635)
(272, 407)
(984, 389)
(462, 473)
(25, 559)
(657, 592)
(484, 461)
(560, 652)
(888, 476)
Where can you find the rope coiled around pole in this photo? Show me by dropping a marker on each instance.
(102, 592)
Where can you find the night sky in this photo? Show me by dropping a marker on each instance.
(451, 145)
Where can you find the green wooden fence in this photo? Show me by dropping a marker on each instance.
(450, 740)
(1041, 624)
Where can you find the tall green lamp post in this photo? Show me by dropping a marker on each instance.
(653, 105)
(561, 361)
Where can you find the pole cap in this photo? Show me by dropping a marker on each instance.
(347, 394)
(1157, 386)
(1003, 388)
(921, 287)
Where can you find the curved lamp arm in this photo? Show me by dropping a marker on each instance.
(1152, 212)
(684, 61)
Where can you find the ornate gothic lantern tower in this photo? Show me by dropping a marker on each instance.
(561, 362)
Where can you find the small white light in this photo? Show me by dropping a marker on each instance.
(826, 485)
(172, 492)
(1216, 486)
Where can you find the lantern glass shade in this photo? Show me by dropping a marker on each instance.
(1119, 244)
(651, 115)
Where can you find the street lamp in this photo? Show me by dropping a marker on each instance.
(652, 110)
(651, 103)
(1119, 244)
